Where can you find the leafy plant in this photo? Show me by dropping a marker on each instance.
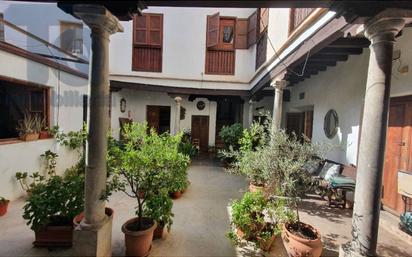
(159, 208)
(31, 123)
(187, 149)
(54, 201)
(74, 140)
(49, 158)
(231, 134)
(143, 165)
(22, 178)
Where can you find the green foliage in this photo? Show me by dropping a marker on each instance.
(23, 177)
(54, 199)
(53, 130)
(31, 123)
(255, 137)
(187, 149)
(74, 140)
(230, 135)
(159, 208)
(49, 158)
(144, 164)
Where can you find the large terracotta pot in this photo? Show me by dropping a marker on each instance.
(299, 247)
(76, 221)
(253, 188)
(138, 243)
(44, 135)
(54, 236)
(4, 205)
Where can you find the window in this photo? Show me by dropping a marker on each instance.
(15, 100)
(261, 36)
(147, 42)
(297, 16)
(1, 28)
(71, 37)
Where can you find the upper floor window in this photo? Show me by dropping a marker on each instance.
(147, 42)
(297, 16)
(1, 27)
(71, 37)
(261, 36)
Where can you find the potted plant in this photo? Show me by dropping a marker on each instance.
(142, 166)
(29, 127)
(230, 136)
(256, 220)
(179, 181)
(51, 207)
(4, 204)
(159, 208)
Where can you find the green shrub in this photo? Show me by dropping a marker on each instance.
(230, 135)
(159, 208)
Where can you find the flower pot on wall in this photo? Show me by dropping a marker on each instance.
(44, 135)
(296, 245)
(29, 137)
(4, 205)
(138, 243)
(254, 188)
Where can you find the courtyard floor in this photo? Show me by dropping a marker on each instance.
(201, 222)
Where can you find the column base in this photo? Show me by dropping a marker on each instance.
(95, 241)
(345, 250)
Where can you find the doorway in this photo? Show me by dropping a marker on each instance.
(398, 153)
(200, 132)
(300, 123)
(158, 118)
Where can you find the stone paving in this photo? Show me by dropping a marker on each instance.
(201, 222)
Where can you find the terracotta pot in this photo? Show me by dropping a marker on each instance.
(138, 243)
(240, 234)
(298, 247)
(158, 232)
(44, 135)
(76, 221)
(254, 188)
(3, 207)
(30, 137)
(266, 244)
(176, 195)
(54, 236)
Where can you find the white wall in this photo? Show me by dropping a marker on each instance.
(278, 29)
(25, 156)
(42, 20)
(184, 48)
(137, 101)
(343, 88)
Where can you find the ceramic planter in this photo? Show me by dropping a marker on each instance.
(4, 205)
(138, 243)
(54, 236)
(297, 246)
(176, 195)
(30, 137)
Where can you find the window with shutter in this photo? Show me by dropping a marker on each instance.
(71, 37)
(241, 34)
(263, 20)
(212, 30)
(147, 42)
(252, 29)
(1, 28)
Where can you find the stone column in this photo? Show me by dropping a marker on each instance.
(279, 85)
(178, 100)
(365, 221)
(250, 114)
(93, 237)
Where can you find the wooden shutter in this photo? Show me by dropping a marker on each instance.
(252, 29)
(155, 27)
(212, 30)
(140, 27)
(263, 19)
(241, 34)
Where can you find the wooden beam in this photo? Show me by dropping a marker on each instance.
(350, 43)
(329, 57)
(341, 51)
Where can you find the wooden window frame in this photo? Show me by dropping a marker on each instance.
(292, 16)
(64, 24)
(31, 86)
(148, 43)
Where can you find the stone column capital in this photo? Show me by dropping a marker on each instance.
(383, 29)
(279, 84)
(98, 18)
(178, 99)
(252, 102)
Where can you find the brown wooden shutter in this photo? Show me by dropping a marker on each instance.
(252, 29)
(263, 19)
(241, 34)
(212, 30)
(155, 27)
(140, 27)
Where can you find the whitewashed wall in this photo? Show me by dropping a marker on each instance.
(184, 49)
(343, 88)
(25, 156)
(42, 20)
(137, 101)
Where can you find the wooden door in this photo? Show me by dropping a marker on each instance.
(200, 132)
(398, 154)
(152, 117)
(295, 123)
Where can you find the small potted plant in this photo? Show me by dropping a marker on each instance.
(4, 205)
(159, 208)
(142, 166)
(51, 207)
(29, 127)
(179, 181)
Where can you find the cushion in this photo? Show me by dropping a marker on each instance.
(342, 181)
(406, 221)
(329, 170)
(312, 168)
